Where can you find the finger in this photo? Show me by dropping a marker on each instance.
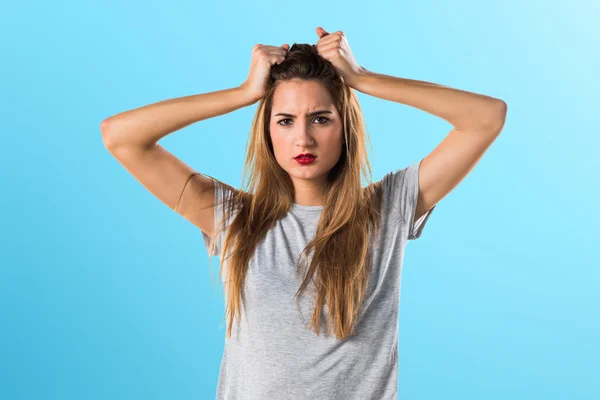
(279, 52)
(321, 32)
(324, 46)
(277, 58)
(332, 47)
(327, 39)
(282, 49)
(271, 48)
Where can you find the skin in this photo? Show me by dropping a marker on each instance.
(320, 135)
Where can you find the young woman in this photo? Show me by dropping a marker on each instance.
(305, 228)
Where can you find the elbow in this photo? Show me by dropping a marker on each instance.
(105, 130)
(494, 120)
(500, 116)
(104, 125)
(502, 109)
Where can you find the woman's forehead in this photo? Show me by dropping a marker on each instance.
(301, 98)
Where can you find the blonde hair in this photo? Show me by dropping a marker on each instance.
(340, 263)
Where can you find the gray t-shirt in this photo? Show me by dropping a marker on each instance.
(272, 355)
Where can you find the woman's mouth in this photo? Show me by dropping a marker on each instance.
(305, 159)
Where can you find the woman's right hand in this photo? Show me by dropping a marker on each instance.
(263, 57)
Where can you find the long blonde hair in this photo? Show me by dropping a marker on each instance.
(340, 264)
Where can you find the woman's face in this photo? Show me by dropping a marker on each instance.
(293, 131)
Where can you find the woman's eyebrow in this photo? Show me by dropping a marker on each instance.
(308, 115)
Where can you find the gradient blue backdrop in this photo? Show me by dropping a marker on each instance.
(106, 293)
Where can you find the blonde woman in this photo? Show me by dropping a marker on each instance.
(305, 229)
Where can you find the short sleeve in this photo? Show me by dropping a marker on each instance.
(221, 193)
(401, 191)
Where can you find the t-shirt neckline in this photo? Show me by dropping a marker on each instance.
(296, 206)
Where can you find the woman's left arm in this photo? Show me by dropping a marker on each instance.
(464, 110)
(477, 122)
(477, 119)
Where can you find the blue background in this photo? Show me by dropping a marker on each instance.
(106, 293)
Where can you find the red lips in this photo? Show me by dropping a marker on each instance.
(307, 155)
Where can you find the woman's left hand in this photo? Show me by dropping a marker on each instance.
(334, 48)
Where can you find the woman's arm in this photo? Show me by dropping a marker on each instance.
(462, 109)
(477, 121)
(132, 136)
(145, 126)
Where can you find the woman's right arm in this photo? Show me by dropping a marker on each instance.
(132, 136)
(145, 126)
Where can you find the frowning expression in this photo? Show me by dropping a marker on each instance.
(303, 120)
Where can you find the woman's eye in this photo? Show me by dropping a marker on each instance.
(288, 119)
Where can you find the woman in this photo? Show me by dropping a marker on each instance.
(305, 223)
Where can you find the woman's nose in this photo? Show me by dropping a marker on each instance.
(304, 136)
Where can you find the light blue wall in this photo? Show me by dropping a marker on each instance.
(106, 293)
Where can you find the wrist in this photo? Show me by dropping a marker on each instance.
(247, 95)
(357, 78)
